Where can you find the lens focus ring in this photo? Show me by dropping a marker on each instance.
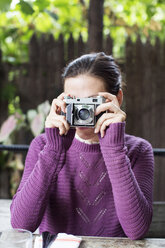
(83, 114)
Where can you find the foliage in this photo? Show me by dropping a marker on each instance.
(33, 121)
(125, 18)
(39, 16)
(5, 4)
(122, 18)
(36, 118)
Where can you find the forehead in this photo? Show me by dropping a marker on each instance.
(83, 86)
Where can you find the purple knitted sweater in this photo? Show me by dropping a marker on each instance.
(100, 189)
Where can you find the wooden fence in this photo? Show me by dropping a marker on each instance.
(145, 99)
(143, 70)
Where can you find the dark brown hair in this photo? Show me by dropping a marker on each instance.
(98, 65)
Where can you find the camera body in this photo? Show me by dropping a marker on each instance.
(81, 111)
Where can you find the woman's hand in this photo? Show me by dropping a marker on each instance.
(55, 119)
(113, 113)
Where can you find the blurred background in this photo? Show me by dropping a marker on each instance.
(39, 37)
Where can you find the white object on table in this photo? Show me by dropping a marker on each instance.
(62, 240)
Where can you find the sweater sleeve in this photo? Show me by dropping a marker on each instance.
(132, 184)
(43, 162)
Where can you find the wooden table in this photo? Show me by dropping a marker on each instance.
(102, 242)
(99, 242)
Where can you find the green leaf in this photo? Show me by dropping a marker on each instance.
(52, 14)
(161, 1)
(5, 5)
(8, 92)
(42, 4)
(150, 10)
(26, 8)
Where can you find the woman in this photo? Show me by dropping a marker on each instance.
(87, 181)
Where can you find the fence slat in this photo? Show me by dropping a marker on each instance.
(80, 46)
(108, 45)
(70, 48)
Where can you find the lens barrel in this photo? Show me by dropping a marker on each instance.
(83, 114)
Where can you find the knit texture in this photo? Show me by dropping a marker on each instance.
(100, 189)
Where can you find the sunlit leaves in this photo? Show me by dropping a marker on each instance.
(26, 8)
(4, 5)
(52, 14)
(42, 4)
(125, 18)
(139, 13)
(122, 18)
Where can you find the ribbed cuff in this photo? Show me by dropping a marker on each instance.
(58, 142)
(114, 135)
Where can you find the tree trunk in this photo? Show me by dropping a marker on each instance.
(95, 26)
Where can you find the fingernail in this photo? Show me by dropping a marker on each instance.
(95, 131)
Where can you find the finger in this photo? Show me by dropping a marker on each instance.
(55, 123)
(109, 96)
(58, 105)
(100, 121)
(60, 126)
(109, 106)
(62, 95)
(104, 126)
(62, 119)
(114, 119)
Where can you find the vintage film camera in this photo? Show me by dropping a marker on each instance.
(81, 111)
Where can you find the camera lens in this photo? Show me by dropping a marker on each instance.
(84, 114)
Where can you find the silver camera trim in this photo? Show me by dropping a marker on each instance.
(86, 101)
